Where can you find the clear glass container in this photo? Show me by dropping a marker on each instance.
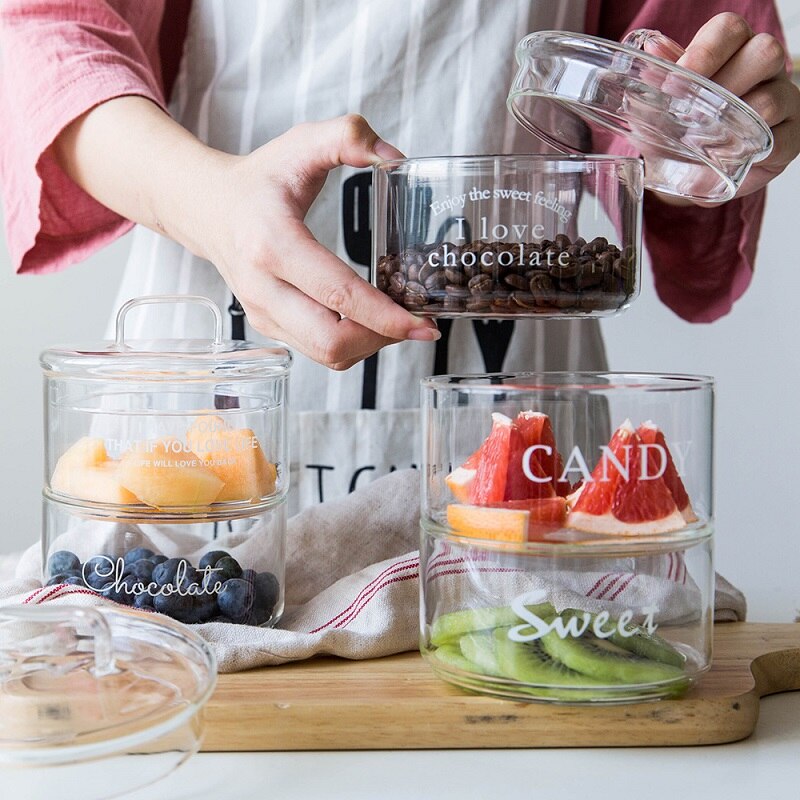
(82, 688)
(697, 139)
(509, 236)
(567, 526)
(167, 460)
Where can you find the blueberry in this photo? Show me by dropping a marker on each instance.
(143, 600)
(75, 580)
(121, 592)
(141, 570)
(235, 599)
(99, 571)
(249, 575)
(226, 568)
(177, 606)
(210, 559)
(267, 590)
(164, 573)
(57, 579)
(62, 561)
(205, 606)
(137, 554)
(156, 560)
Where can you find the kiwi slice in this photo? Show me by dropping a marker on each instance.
(448, 628)
(641, 642)
(529, 662)
(479, 650)
(451, 655)
(605, 661)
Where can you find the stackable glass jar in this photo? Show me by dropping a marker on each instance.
(567, 522)
(503, 236)
(166, 473)
(560, 235)
(81, 689)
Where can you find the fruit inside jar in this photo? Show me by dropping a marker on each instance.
(518, 487)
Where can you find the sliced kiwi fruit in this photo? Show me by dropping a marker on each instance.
(448, 628)
(479, 650)
(641, 642)
(605, 661)
(451, 655)
(529, 662)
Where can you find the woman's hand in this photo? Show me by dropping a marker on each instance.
(292, 287)
(753, 67)
(245, 214)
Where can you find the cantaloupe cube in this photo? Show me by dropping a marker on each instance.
(166, 473)
(235, 456)
(98, 484)
(88, 451)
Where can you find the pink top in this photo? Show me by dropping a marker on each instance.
(61, 59)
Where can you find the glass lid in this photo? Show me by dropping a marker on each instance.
(78, 683)
(166, 359)
(583, 94)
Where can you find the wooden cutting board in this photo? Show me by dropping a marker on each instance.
(397, 703)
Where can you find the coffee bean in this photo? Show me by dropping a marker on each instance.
(503, 278)
(516, 282)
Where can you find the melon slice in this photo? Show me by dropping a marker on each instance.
(165, 473)
(235, 457)
(649, 433)
(97, 484)
(88, 451)
(615, 502)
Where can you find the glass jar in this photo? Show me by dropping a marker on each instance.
(82, 689)
(567, 525)
(166, 473)
(495, 236)
(509, 236)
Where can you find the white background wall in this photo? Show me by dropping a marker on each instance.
(753, 353)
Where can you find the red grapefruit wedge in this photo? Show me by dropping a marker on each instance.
(650, 434)
(618, 500)
(537, 432)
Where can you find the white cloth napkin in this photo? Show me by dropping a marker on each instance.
(352, 584)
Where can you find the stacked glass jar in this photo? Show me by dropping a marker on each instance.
(566, 544)
(166, 473)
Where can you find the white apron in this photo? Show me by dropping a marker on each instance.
(431, 76)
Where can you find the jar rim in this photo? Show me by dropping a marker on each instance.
(493, 157)
(568, 380)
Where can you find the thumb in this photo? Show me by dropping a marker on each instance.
(348, 140)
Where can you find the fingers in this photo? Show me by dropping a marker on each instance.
(761, 59)
(775, 101)
(333, 285)
(323, 336)
(715, 43)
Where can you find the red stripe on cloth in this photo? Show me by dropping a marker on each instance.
(472, 571)
(411, 563)
(399, 579)
(32, 595)
(597, 585)
(354, 612)
(621, 588)
(609, 587)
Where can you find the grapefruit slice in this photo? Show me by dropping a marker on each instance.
(536, 429)
(511, 521)
(621, 502)
(500, 474)
(649, 433)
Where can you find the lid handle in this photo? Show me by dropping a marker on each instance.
(168, 299)
(27, 618)
(654, 43)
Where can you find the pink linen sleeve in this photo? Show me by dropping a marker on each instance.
(703, 258)
(61, 58)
